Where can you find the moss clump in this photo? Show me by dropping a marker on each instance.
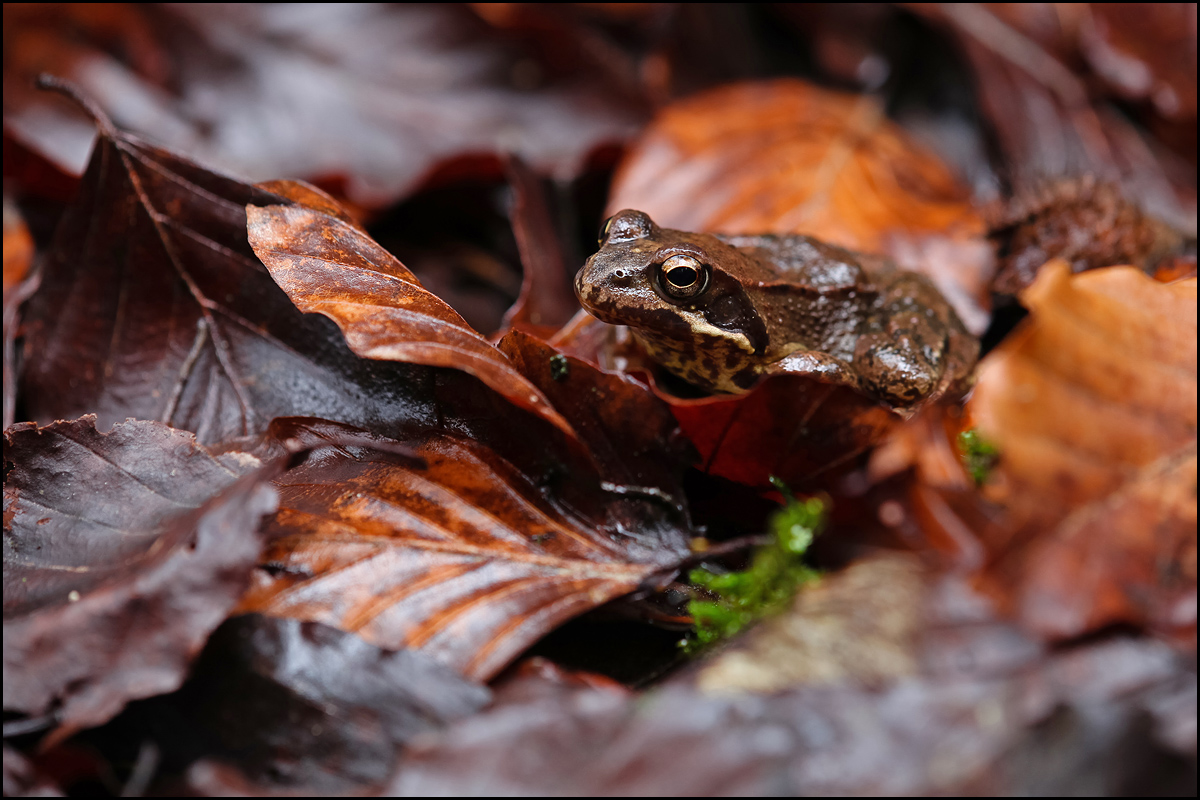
(776, 571)
(978, 454)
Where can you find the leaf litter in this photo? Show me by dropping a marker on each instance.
(1009, 647)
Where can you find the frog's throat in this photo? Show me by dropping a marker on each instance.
(712, 358)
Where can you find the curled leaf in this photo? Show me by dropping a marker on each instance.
(331, 267)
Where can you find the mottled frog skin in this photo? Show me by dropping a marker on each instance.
(722, 311)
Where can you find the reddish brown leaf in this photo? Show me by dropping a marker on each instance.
(630, 433)
(18, 286)
(547, 300)
(1146, 52)
(1046, 123)
(153, 306)
(464, 559)
(378, 96)
(1093, 408)
(331, 267)
(791, 426)
(786, 157)
(123, 551)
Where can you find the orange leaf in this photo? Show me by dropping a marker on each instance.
(1091, 405)
(463, 558)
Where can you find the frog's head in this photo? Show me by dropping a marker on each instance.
(683, 295)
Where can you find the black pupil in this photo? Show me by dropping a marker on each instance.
(682, 277)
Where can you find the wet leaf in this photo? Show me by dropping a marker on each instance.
(18, 286)
(153, 305)
(376, 97)
(1091, 405)
(790, 426)
(786, 157)
(1146, 53)
(1045, 121)
(465, 559)
(332, 267)
(302, 706)
(547, 300)
(1037, 725)
(123, 551)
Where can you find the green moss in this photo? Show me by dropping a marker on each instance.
(978, 455)
(775, 572)
(559, 367)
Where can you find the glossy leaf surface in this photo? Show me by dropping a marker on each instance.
(464, 559)
(108, 597)
(153, 305)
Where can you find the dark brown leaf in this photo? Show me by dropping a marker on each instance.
(1046, 123)
(331, 267)
(1037, 725)
(123, 551)
(375, 96)
(465, 559)
(301, 706)
(153, 306)
(547, 300)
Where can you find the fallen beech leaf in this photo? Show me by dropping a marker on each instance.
(302, 706)
(18, 286)
(465, 559)
(547, 300)
(1093, 402)
(331, 267)
(123, 551)
(630, 433)
(1045, 121)
(1145, 53)
(791, 426)
(1038, 725)
(153, 305)
(377, 96)
(783, 156)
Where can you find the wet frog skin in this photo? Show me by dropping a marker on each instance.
(721, 311)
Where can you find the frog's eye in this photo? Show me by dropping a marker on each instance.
(683, 276)
(604, 231)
